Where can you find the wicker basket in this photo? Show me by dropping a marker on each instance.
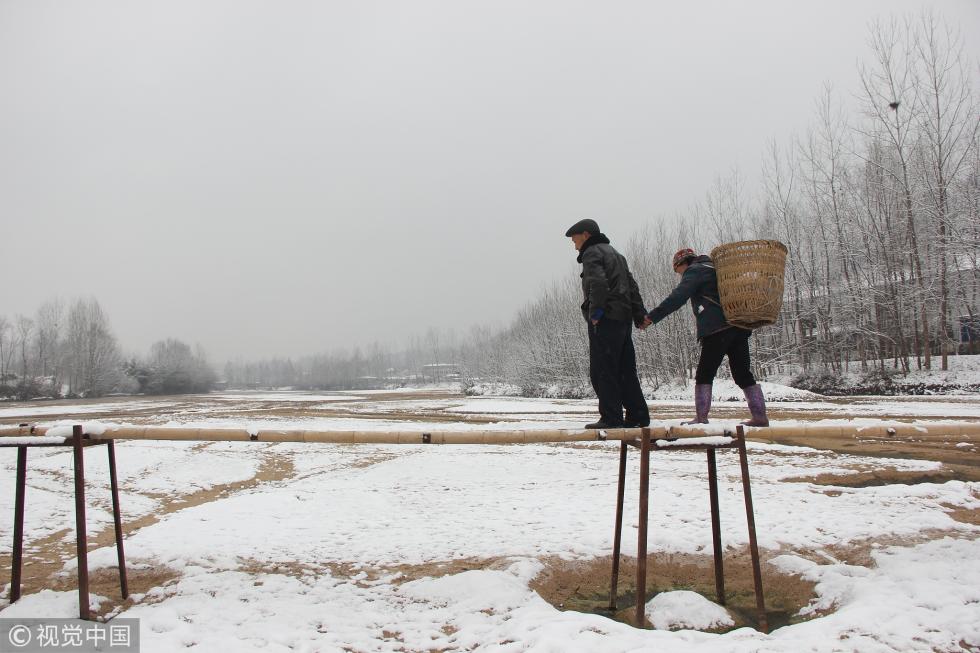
(750, 281)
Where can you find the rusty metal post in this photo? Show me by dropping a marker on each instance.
(17, 558)
(641, 541)
(618, 533)
(716, 527)
(753, 542)
(81, 537)
(117, 520)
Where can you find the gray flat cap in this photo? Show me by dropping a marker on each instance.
(582, 226)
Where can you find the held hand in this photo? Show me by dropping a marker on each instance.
(646, 322)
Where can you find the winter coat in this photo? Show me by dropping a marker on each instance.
(699, 283)
(607, 283)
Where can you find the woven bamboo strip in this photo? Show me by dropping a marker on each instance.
(329, 437)
(777, 431)
(296, 435)
(462, 437)
(18, 430)
(815, 431)
(174, 433)
(968, 430)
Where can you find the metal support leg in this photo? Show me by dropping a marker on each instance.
(81, 536)
(716, 527)
(618, 534)
(641, 543)
(753, 542)
(17, 559)
(117, 520)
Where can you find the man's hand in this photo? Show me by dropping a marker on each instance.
(646, 322)
(597, 315)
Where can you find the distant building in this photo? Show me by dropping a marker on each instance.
(969, 334)
(435, 372)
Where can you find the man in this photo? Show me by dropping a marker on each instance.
(699, 283)
(612, 301)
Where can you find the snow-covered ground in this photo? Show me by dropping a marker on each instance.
(311, 550)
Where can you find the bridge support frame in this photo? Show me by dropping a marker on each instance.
(646, 444)
(78, 442)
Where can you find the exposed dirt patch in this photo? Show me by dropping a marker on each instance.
(409, 395)
(272, 468)
(964, 515)
(963, 462)
(361, 574)
(301, 570)
(861, 552)
(141, 579)
(584, 586)
(421, 415)
(886, 476)
(408, 573)
(44, 559)
(372, 459)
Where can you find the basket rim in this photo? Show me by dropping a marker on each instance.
(743, 243)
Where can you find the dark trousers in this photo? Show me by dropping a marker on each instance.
(732, 342)
(612, 369)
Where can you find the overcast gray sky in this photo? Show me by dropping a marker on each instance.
(291, 177)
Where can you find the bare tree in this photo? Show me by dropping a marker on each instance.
(892, 105)
(6, 349)
(93, 358)
(24, 331)
(948, 123)
(50, 324)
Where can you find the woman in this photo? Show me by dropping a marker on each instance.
(718, 338)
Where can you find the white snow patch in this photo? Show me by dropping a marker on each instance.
(925, 597)
(525, 406)
(711, 441)
(65, 428)
(686, 609)
(48, 604)
(726, 390)
(284, 396)
(31, 439)
(473, 590)
(78, 409)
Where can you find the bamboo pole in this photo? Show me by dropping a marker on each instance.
(344, 437)
(449, 436)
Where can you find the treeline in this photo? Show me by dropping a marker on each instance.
(437, 357)
(69, 350)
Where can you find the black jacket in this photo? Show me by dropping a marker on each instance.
(699, 283)
(607, 282)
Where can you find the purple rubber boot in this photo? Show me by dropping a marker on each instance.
(757, 406)
(702, 403)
